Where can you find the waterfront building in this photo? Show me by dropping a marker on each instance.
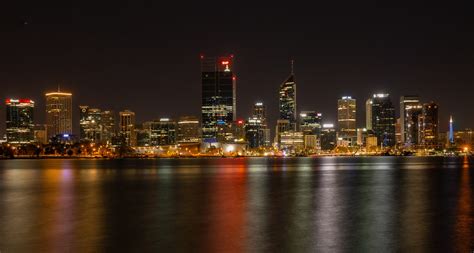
(429, 126)
(188, 130)
(410, 109)
(282, 125)
(287, 100)
(368, 114)
(127, 128)
(383, 119)
(346, 118)
(59, 113)
(19, 120)
(108, 126)
(163, 132)
(218, 95)
(310, 122)
(143, 133)
(328, 138)
(464, 138)
(292, 141)
(254, 132)
(90, 129)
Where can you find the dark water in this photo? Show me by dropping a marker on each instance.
(377, 204)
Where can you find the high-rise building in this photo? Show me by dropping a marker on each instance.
(108, 126)
(254, 132)
(163, 132)
(287, 99)
(310, 123)
(410, 109)
(19, 121)
(127, 127)
(429, 125)
(383, 119)
(328, 137)
(368, 114)
(259, 112)
(218, 95)
(90, 120)
(282, 125)
(188, 130)
(346, 117)
(59, 113)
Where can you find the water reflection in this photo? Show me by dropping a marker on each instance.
(229, 205)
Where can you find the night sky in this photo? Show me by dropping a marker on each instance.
(144, 56)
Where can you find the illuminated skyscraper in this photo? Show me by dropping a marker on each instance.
(218, 95)
(19, 120)
(383, 119)
(90, 124)
(127, 127)
(163, 132)
(287, 101)
(410, 109)
(310, 123)
(368, 114)
(257, 133)
(346, 117)
(429, 126)
(188, 130)
(59, 113)
(108, 126)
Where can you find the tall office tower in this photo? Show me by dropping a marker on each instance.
(90, 124)
(368, 114)
(127, 127)
(254, 132)
(310, 123)
(59, 113)
(429, 125)
(108, 126)
(346, 117)
(163, 132)
(188, 130)
(218, 95)
(259, 117)
(451, 130)
(410, 109)
(287, 101)
(383, 120)
(20, 120)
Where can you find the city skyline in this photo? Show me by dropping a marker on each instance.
(399, 54)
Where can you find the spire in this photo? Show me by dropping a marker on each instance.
(450, 118)
(59, 87)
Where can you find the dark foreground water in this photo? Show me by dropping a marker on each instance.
(377, 204)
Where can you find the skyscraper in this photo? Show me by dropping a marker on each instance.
(218, 95)
(310, 123)
(287, 101)
(368, 114)
(163, 132)
(410, 109)
(127, 127)
(188, 130)
(429, 127)
(346, 117)
(59, 113)
(383, 119)
(108, 126)
(90, 120)
(19, 120)
(254, 132)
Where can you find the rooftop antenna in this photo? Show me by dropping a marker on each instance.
(59, 87)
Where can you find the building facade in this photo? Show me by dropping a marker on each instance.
(163, 132)
(20, 120)
(218, 95)
(429, 126)
(383, 119)
(410, 109)
(346, 118)
(59, 113)
(188, 130)
(287, 100)
(127, 128)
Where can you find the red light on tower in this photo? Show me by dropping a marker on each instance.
(225, 62)
(234, 78)
(202, 56)
(7, 101)
(26, 101)
(240, 122)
